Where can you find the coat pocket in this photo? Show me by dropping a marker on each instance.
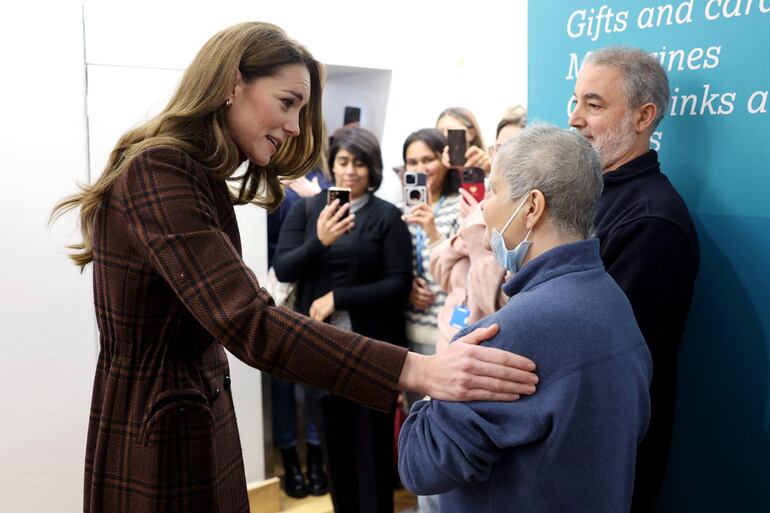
(176, 413)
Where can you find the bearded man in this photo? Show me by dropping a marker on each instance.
(648, 242)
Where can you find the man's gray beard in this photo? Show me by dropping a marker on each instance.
(614, 142)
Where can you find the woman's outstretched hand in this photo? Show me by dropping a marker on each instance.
(465, 371)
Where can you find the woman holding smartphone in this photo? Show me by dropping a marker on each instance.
(430, 223)
(351, 260)
(458, 118)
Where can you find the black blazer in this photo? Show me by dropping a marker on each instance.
(369, 269)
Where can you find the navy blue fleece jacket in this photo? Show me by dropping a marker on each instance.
(572, 445)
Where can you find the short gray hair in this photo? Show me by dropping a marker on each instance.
(563, 166)
(644, 79)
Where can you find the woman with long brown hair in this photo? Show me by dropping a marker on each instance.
(171, 288)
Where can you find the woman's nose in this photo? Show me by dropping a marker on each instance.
(291, 127)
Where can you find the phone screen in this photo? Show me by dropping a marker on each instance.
(457, 146)
(343, 193)
(352, 115)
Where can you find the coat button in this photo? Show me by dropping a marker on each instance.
(215, 394)
(227, 382)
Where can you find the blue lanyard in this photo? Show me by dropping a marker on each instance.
(421, 238)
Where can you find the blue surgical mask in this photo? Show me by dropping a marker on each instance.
(510, 259)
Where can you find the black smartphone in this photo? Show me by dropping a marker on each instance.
(352, 115)
(457, 146)
(341, 193)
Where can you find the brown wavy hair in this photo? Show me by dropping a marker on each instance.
(194, 122)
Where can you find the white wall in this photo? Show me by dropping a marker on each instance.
(440, 53)
(47, 330)
(365, 88)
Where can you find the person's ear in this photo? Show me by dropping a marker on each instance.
(645, 117)
(238, 83)
(535, 209)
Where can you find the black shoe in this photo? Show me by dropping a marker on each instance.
(293, 481)
(316, 477)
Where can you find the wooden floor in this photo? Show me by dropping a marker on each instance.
(402, 501)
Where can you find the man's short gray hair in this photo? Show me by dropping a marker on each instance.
(644, 79)
(563, 166)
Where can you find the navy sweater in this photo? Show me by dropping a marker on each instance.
(650, 247)
(572, 445)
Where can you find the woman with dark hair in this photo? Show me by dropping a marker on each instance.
(171, 290)
(429, 224)
(355, 279)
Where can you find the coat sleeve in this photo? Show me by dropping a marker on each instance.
(170, 210)
(396, 282)
(445, 444)
(293, 252)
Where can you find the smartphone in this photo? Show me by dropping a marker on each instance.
(415, 189)
(457, 146)
(352, 115)
(341, 193)
(473, 182)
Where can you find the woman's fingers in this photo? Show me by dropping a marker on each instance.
(421, 217)
(480, 334)
(420, 301)
(340, 211)
(505, 359)
(426, 295)
(493, 354)
(464, 372)
(468, 198)
(421, 296)
(476, 157)
(345, 224)
(513, 379)
(421, 285)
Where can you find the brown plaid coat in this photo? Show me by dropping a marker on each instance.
(170, 290)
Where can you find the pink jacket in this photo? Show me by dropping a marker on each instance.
(449, 264)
